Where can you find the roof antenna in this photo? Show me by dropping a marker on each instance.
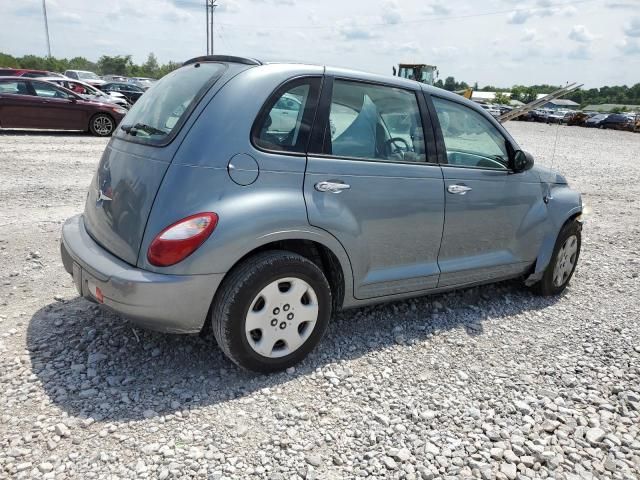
(555, 144)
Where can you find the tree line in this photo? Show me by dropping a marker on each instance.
(619, 94)
(124, 65)
(106, 65)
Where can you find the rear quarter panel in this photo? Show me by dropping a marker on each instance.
(269, 209)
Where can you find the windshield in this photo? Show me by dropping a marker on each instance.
(159, 111)
(88, 75)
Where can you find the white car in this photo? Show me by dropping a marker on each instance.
(89, 77)
(89, 91)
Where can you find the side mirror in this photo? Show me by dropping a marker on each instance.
(521, 161)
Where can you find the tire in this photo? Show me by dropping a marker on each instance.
(550, 283)
(102, 125)
(247, 297)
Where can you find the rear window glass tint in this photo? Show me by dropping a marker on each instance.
(165, 106)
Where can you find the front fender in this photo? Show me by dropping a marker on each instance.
(563, 204)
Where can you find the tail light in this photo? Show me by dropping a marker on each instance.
(181, 239)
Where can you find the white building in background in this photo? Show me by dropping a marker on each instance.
(489, 97)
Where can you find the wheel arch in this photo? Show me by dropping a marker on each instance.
(548, 244)
(316, 252)
(326, 253)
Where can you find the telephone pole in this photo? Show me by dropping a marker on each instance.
(210, 6)
(46, 27)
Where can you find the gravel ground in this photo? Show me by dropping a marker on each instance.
(489, 382)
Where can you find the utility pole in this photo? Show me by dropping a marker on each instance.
(46, 27)
(210, 6)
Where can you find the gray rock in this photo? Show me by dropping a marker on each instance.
(62, 430)
(497, 453)
(594, 435)
(390, 463)
(509, 470)
(313, 459)
(550, 426)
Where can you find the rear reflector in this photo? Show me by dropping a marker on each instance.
(99, 295)
(181, 239)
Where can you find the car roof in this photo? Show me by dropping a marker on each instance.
(16, 78)
(63, 79)
(350, 74)
(330, 70)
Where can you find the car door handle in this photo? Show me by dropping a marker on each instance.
(458, 189)
(333, 187)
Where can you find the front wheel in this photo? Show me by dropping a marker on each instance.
(271, 311)
(102, 125)
(563, 261)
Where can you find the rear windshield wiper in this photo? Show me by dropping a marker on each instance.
(133, 129)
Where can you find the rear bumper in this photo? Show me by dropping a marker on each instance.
(167, 303)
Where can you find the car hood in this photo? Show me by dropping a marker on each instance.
(549, 176)
(98, 98)
(97, 102)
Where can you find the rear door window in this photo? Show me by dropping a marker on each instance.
(374, 122)
(161, 111)
(16, 87)
(284, 123)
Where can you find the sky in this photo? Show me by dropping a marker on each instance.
(492, 42)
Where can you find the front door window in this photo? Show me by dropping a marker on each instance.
(471, 140)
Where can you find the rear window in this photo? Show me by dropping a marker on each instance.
(162, 110)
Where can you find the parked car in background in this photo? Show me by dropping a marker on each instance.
(578, 119)
(143, 82)
(35, 103)
(538, 116)
(89, 77)
(618, 121)
(114, 78)
(201, 214)
(129, 90)
(596, 120)
(89, 92)
(492, 109)
(27, 73)
(560, 116)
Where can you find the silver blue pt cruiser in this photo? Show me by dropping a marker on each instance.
(260, 198)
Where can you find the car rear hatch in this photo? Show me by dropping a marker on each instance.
(134, 163)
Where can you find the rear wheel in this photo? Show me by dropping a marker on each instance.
(563, 261)
(271, 311)
(102, 125)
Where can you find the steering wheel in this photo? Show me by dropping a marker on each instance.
(391, 145)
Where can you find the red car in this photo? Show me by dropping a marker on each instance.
(25, 72)
(31, 103)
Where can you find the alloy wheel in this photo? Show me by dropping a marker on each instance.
(103, 125)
